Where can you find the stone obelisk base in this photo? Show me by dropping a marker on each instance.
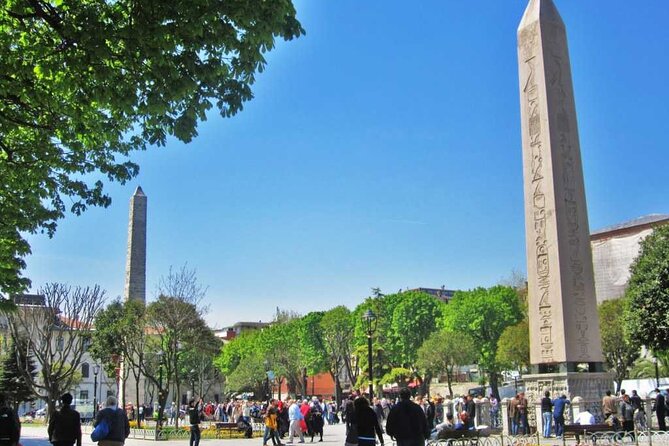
(590, 387)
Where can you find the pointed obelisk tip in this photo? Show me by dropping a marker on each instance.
(540, 10)
(139, 192)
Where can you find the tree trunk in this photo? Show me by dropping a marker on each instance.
(494, 383)
(449, 381)
(138, 377)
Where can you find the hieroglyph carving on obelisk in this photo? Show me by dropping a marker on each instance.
(564, 325)
(135, 270)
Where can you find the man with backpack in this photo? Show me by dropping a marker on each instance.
(117, 420)
(10, 426)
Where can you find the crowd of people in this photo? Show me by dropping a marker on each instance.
(624, 412)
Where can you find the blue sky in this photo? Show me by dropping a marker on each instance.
(382, 149)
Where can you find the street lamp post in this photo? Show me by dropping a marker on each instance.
(96, 370)
(369, 319)
(657, 373)
(192, 383)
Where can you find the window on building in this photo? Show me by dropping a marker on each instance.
(85, 370)
(83, 395)
(60, 344)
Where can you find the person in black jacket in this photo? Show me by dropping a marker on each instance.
(660, 410)
(194, 418)
(547, 413)
(367, 423)
(10, 426)
(406, 422)
(65, 425)
(119, 427)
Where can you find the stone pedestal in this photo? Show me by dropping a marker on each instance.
(589, 387)
(506, 429)
(482, 412)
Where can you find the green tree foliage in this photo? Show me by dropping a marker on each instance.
(337, 332)
(312, 347)
(513, 347)
(482, 315)
(619, 352)
(12, 380)
(403, 321)
(647, 294)
(85, 83)
(645, 368)
(415, 318)
(120, 332)
(442, 353)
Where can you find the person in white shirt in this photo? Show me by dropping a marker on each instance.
(294, 415)
(585, 418)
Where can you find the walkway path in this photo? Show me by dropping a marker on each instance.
(37, 436)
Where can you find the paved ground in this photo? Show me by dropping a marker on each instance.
(37, 436)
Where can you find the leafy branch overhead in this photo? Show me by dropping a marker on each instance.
(84, 83)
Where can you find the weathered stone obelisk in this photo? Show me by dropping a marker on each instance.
(565, 343)
(135, 269)
(135, 281)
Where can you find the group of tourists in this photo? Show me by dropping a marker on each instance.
(295, 418)
(624, 412)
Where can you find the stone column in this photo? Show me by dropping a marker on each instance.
(506, 428)
(577, 406)
(648, 405)
(482, 412)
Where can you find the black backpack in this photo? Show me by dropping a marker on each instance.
(9, 427)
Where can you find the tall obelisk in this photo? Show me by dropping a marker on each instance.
(135, 270)
(135, 281)
(563, 319)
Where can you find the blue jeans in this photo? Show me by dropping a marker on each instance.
(514, 427)
(548, 418)
(559, 425)
(271, 434)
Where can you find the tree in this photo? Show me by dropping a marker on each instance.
(178, 325)
(513, 347)
(86, 83)
(442, 352)
(56, 334)
(415, 318)
(645, 368)
(482, 315)
(337, 328)
(120, 337)
(647, 294)
(12, 381)
(619, 352)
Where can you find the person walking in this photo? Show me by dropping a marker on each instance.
(271, 425)
(316, 419)
(406, 422)
(295, 416)
(547, 413)
(195, 416)
(119, 427)
(660, 410)
(470, 408)
(367, 423)
(558, 414)
(10, 426)
(65, 424)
